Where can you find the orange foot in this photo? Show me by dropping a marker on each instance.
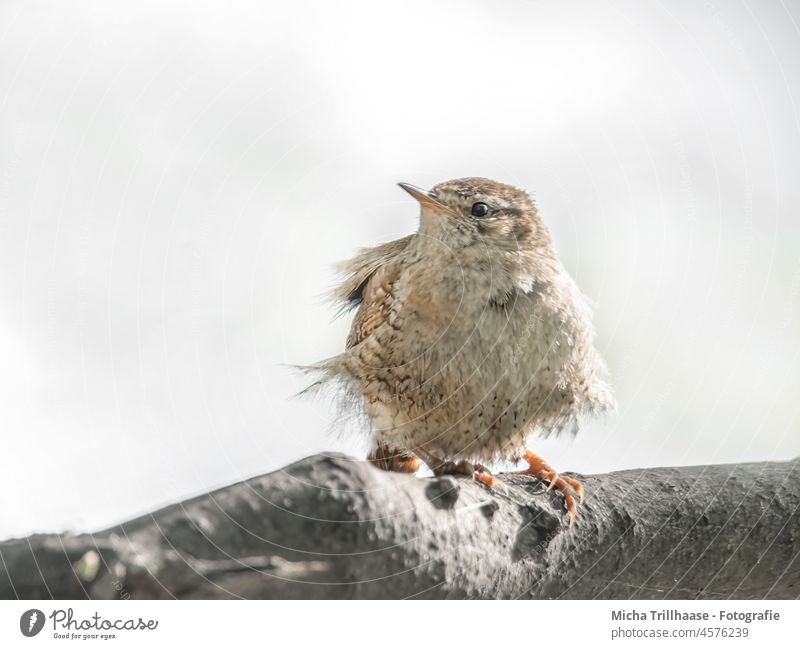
(390, 459)
(477, 471)
(539, 468)
(482, 475)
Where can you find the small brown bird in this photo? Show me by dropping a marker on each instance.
(469, 337)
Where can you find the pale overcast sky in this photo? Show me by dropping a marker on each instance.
(177, 178)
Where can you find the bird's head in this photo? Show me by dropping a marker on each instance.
(478, 211)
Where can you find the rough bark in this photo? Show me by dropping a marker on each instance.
(334, 527)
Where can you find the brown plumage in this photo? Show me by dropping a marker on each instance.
(469, 336)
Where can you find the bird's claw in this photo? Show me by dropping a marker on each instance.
(482, 475)
(478, 472)
(538, 468)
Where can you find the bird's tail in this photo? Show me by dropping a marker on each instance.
(326, 373)
(332, 380)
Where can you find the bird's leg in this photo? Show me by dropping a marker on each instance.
(439, 467)
(390, 459)
(482, 475)
(567, 486)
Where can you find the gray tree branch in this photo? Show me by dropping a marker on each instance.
(334, 527)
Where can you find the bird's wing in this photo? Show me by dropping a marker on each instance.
(358, 270)
(369, 278)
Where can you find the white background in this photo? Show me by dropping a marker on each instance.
(549, 623)
(176, 179)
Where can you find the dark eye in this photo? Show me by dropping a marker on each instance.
(480, 209)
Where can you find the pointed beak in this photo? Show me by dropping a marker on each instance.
(425, 199)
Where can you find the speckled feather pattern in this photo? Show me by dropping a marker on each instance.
(469, 335)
